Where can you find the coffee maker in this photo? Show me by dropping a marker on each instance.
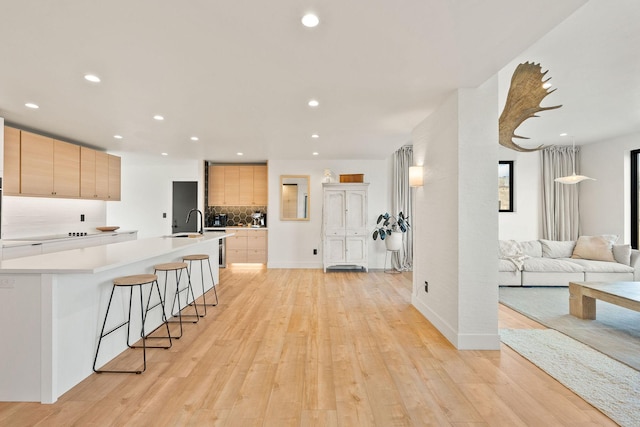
(257, 219)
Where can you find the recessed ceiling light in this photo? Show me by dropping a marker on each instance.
(92, 78)
(564, 134)
(313, 103)
(240, 154)
(164, 154)
(31, 105)
(315, 153)
(117, 136)
(315, 136)
(158, 117)
(310, 20)
(194, 138)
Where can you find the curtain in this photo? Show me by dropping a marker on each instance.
(560, 210)
(402, 201)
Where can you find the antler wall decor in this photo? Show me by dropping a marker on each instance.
(523, 101)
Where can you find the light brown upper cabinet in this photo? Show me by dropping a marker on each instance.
(48, 167)
(100, 175)
(260, 186)
(37, 165)
(11, 179)
(232, 185)
(94, 174)
(245, 190)
(114, 177)
(216, 185)
(238, 185)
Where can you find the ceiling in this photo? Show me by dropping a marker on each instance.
(238, 74)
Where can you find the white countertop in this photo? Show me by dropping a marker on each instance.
(26, 241)
(104, 257)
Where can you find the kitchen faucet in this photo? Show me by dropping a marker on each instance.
(201, 231)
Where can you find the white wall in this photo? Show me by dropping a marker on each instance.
(291, 243)
(525, 222)
(147, 185)
(605, 203)
(456, 218)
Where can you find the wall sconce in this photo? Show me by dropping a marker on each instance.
(416, 176)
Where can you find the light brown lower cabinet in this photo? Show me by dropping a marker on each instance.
(247, 246)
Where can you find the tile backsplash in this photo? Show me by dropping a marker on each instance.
(236, 215)
(41, 216)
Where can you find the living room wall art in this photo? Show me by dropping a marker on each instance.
(528, 89)
(505, 186)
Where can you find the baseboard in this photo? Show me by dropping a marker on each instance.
(459, 341)
(314, 265)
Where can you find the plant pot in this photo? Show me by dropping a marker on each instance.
(394, 241)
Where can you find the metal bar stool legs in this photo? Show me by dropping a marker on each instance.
(202, 258)
(177, 268)
(130, 282)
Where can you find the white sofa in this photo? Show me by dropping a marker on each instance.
(555, 263)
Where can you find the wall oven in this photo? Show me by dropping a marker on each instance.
(222, 256)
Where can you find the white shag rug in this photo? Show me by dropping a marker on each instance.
(610, 386)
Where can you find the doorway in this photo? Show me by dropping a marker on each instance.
(185, 198)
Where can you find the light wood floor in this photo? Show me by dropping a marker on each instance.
(304, 348)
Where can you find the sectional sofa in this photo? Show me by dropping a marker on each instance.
(556, 263)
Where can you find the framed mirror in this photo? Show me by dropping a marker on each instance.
(294, 197)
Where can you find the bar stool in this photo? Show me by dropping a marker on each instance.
(202, 258)
(178, 267)
(138, 280)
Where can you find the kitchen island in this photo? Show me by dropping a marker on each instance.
(52, 307)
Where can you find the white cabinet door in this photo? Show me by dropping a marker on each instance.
(334, 249)
(335, 206)
(356, 212)
(62, 245)
(356, 250)
(118, 237)
(20, 251)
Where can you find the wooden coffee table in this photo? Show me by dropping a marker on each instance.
(583, 295)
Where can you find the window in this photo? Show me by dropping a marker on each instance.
(505, 186)
(635, 188)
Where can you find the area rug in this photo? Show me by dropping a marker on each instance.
(610, 386)
(615, 331)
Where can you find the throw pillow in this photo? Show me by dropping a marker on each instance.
(597, 248)
(509, 248)
(557, 249)
(532, 248)
(622, 254)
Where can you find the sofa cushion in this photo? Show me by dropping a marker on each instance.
(557, 249)
(597, 248)
(509, 278)
(507, 265)
(532, 248)
(601, 266)
(552, 265)
(509, 248)
(622, 254)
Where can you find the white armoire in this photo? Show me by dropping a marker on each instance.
(344, 225)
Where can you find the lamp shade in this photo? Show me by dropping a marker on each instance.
(416, 176)
(572, 179)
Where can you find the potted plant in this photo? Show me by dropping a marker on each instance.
(390, 229)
